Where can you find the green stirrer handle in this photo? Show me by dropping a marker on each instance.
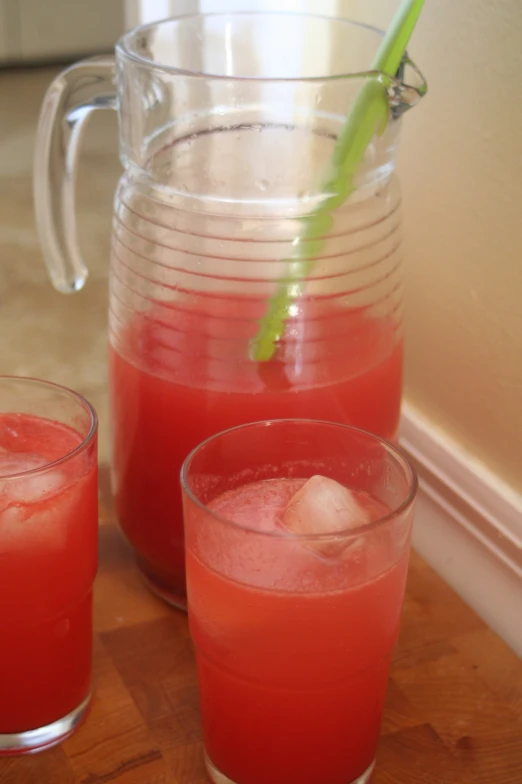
(368, 115)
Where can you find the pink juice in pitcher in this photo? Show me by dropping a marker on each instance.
(168, 394)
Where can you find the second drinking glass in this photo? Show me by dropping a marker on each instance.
(48, 558)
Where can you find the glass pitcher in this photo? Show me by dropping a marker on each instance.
(227, 127)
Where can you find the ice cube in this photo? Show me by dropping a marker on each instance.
(26, 527)
(23, 510)
(34, 511)
(323, 506)
(19, 462)
(33, 488)
(28, 488)
(13, 530)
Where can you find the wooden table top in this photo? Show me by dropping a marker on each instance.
(453, 715)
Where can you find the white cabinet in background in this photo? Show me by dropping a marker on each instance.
(33, 31)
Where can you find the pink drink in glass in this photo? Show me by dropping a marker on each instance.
(48, 557)
(293, 646)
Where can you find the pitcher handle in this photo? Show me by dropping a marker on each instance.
(69, 101)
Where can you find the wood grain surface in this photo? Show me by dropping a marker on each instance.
(453, 715)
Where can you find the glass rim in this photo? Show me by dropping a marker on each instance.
(125, 47)
(398, 453)
(86, 440)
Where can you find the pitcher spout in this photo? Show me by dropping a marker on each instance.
(406, 89)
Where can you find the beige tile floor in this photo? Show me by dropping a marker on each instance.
(44, 333)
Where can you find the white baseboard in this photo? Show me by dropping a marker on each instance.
(468, 526)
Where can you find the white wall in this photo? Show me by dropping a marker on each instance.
(47, 30)
(461, 171)
(141, 11)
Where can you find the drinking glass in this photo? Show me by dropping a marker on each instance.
(48, 559)
(294, 628)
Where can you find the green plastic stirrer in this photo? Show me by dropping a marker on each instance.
(368, 115)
